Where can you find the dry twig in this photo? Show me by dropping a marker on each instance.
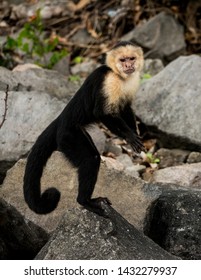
(5, 107)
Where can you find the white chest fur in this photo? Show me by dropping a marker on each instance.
(119, 91)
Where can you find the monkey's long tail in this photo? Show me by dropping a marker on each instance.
(43, 148)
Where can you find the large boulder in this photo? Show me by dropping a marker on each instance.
(32, 78)
(162, 36)
(35, 98)
(19, 238)
(131, 197)
(28, 115)
(120, 188)
(86, 236)
(175, 223)
(169, 104)
(32, 103)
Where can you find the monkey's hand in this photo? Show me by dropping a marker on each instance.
(136, 143)
(118, 126)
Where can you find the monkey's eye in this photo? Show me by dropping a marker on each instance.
(122, 59)
(132, 58)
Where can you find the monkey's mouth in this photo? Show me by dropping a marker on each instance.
(130, 71)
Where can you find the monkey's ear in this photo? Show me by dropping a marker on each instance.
(110, 60)
(139, 51)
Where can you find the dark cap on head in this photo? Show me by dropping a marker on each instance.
(123, 44)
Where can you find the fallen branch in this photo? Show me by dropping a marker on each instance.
(5, 108)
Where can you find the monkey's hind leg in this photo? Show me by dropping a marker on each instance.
(83, 154)
(87, 176)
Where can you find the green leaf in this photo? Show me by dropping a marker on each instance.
(25, 48)
(149, 155)
(50, 45)
(145, 77)
(152, 158)
(78, 59)
(56, 56)
(74, 78)
(11, 44)
(25, 33)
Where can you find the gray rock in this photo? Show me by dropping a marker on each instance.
(48, 9)
(188, 175)
(86, 236)
(4, 166)
(162, 35)
(169, 104)
(171, 157)
(98, 137)
(130, 196)
(153, 66)
(37, 79)
(131, 171)
(32, 106)
(19, 239)
(62, 66)
(113, 148)
(46, 12)
(175, 223)
(82, 37)
(112, 163)
(194, 157)
(130, 168)
(18, 11)
(29, 113)
(139, 168)
(125, 160)
(84, 68)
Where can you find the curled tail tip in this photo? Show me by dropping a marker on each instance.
(46, 203)
(49, 200)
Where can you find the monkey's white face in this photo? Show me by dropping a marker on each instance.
(126, 64)
(126, 60)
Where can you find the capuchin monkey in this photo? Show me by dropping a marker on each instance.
(105, 96)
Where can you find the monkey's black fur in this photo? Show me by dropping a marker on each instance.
(67, 134)
(123, 44)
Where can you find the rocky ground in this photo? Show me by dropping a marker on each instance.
(158, 193)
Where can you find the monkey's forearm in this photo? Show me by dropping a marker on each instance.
(129, 117)
(121, 129)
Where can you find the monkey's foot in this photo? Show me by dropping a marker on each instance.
(95, 205)
(98, 200)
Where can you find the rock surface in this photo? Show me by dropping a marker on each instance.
(188, 175)
(171, 157)
(19, 238)
(37, 79)
(176, 223)
(152, 66)
(169, 103)
(26, 119)
(31, 110)
(84, 235)
(194, 157)
(121, 189)
(32, 105)
(162, 35)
